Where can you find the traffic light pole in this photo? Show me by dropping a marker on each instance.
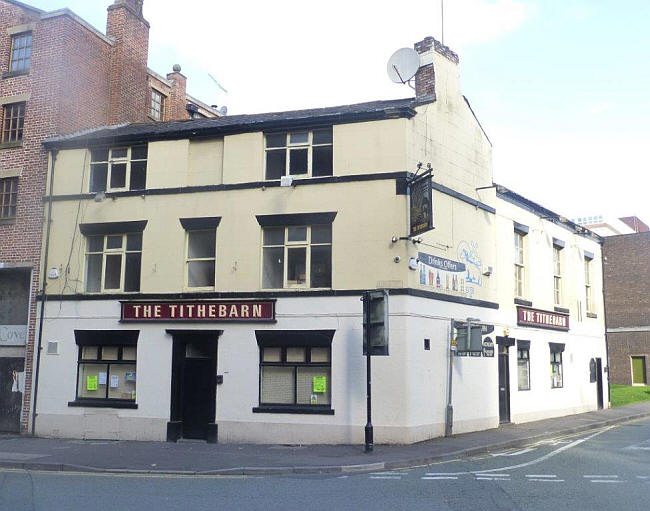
(368, 430)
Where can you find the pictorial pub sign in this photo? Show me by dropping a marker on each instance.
(421, 207)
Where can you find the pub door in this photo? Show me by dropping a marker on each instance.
(194, 380)
(504, 385)
(599, 382)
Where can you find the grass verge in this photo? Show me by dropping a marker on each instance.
(625, 394)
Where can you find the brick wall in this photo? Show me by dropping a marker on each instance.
(622, 347)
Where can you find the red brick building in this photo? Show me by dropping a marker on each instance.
(627, 306)
(58, 74)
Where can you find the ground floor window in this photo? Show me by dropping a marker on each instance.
(556, 369)
(523, 368)
(295, 369)
(106, 367)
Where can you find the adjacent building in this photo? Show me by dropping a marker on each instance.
(215, 293)
(59, 74)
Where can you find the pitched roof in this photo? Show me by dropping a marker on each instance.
(226, 125)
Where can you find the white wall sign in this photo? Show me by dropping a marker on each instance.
(13, 335)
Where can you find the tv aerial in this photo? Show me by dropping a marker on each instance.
(224, 109)
(402, 65)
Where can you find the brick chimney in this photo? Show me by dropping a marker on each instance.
(129, 92)
(177, 106)
(425, 78)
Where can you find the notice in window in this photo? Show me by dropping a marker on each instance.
(319, 384)
(115, 381)
(91, 382)
(102, 378)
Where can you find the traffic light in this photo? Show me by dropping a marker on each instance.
(375, 316)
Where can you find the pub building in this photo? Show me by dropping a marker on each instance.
(206, 282)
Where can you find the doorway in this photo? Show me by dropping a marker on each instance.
(599, 382)
(11, 398)
(638, 371)
(193, 385)
(504, 385)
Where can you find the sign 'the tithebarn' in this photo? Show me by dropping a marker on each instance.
(205, 311)
(542, 319)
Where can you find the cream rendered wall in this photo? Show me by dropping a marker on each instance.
(72, 166)
(362, 252)
(243, 158)
(205, 162)
(446, 134)
(167, 164)
(370, 147)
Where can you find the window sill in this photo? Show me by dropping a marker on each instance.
(553, 388)
(11, 74)
(297, 409)
(525, 303)
(562, 310)
(592, 315)
(7, 221)
(103, 403)
(9, 145)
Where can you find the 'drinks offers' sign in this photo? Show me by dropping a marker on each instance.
(241, 310)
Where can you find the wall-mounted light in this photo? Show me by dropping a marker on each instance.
(413, 263)
(286, 181)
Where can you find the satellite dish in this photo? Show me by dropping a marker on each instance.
(403, 65)
(223, 110)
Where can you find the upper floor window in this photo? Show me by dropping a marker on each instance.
(13, 119)
(157, 105)
(123, 168)
(299, 153)
(21, 52)
(557, 275)
(520, 265)
(8, 197)
(588, 284)
(201, 257)
(113, 262)
(297, 256)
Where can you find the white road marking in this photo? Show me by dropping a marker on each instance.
(477, 478)
(541, 475)
(386, 473)
(602, 476)
(643, 477)
(532, 462)
(515, 453)
(436, 478)
(385, 477)
(547, 480)
(606, 481)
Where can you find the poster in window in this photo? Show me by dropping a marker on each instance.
(421, 207)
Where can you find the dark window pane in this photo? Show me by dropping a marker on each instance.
(98, 174)
(322, 161)
(99, 155)
(321, 266)
(95, 243)
(138, 178)
(276, 162)
(201, 244)
(321, 234)
(276, 140)
(298, 161)
(93, 273)
(299, 137)
(274, 236)
(139, 152)
(322, 136)
(132, 272)
(114, 241)
(273, 271)
(113, 271)
(119, 153)
(134, 241)
(200, 274)
(296, 266)
(118, 175)
(297, 234)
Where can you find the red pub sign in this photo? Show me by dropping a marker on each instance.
(542, 319)
(207, 311)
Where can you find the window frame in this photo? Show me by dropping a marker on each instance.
(24, 69)
(186, 277)
(122, 251)
(295, 406)
(288, 147)
(106, 401)
(16, 124)
(120, 160)
(589, 298)
(526, 358)
(157, 114)
(288, 245)
(520, 264)
(558, 295)
(560, 369)
(8, 198)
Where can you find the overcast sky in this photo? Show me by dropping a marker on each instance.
(562, 87)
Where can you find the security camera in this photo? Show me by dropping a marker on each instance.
(397, 259)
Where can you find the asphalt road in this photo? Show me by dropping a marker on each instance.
(606, 469)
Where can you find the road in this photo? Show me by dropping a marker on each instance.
(601, 470)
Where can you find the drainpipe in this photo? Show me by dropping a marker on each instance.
(602, 270)
(43, 274)
(449, 412)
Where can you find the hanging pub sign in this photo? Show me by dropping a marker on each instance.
(421, 207)
(203, 311)
(542, 319)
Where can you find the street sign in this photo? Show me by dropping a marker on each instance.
(375, 321)
(488, 347)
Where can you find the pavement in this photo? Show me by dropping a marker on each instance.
(200, 458)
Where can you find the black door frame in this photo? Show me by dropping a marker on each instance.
(503, 364)
(180, 340)
(599, 383)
